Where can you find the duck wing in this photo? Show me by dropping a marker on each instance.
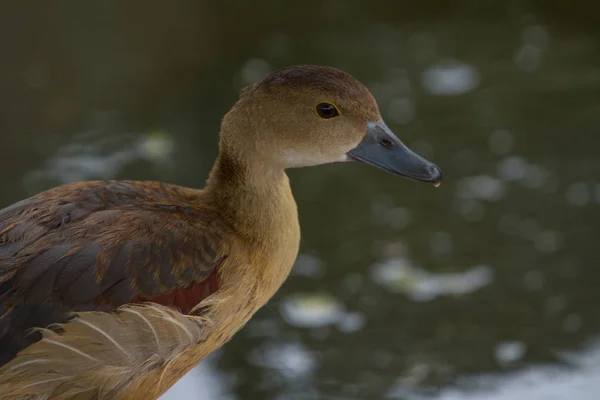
(95, 246)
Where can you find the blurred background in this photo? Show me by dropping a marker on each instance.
(484, 288)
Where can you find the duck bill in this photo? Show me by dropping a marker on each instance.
(382, 149)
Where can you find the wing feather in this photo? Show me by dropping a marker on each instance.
(100, 245)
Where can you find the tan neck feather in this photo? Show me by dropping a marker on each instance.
(254, 197)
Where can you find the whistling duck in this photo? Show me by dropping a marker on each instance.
(116, 289)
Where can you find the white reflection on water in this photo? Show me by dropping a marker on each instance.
(202, 382)
(534, 40)
(94, 155)
(470, 210)
(548, 241)
(578, 194)
(510, 351)
(399, 275)
(535, 177)
(535, 383)
(291, 360)
(481, 187)
(309, 266)
(545, 240)
(351, 322)
(546, 382)
(512, 168)
(528, 57)
(517, 169)
(311, 309)
(319, 310)
(450, 78)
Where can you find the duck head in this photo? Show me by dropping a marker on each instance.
(310, 115)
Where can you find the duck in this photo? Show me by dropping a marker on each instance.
(116, 289)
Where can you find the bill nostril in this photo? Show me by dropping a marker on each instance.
(387, 143)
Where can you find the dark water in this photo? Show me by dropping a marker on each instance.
(485, 288)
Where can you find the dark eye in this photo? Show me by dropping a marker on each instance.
(327, 110)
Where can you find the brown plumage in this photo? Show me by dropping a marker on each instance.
(115, 289)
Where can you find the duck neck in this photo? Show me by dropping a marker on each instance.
(255, 197)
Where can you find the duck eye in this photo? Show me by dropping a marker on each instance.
(327, 110)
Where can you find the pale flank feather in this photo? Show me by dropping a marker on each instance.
(96, 355)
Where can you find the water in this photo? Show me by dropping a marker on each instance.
(483, 288)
